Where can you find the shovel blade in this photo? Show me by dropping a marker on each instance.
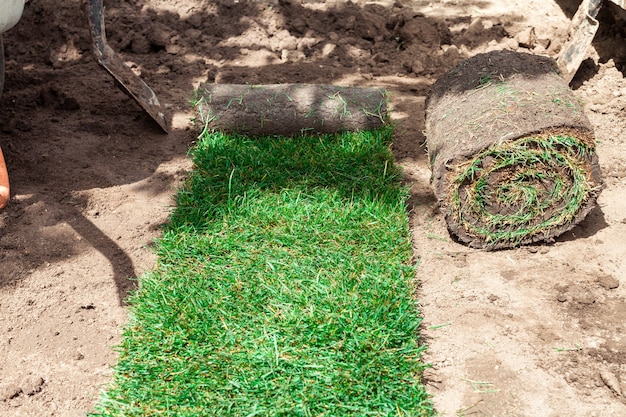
(586, 26)
(124, 77)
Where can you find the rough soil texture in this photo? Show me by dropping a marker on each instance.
(535, 331)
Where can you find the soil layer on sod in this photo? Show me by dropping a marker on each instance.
(289, 109)
(511, 150)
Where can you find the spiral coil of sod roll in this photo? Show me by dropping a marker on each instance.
(512, 153)
(521, 189)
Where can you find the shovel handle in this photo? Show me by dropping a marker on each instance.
(5, 189)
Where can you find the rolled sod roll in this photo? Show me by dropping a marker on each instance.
(289, 109)
(512, 153)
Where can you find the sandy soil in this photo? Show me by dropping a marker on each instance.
(535, 331)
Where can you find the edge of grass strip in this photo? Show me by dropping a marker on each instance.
(283, 288)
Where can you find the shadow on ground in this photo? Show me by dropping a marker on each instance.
(67, 132)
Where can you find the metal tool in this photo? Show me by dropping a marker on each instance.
(126, 79)
(583, 29)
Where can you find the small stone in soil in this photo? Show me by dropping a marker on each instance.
(609, 282)
(10, 391)
(32, 385)
(586, 298)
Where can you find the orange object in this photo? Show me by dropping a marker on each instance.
(5, 189)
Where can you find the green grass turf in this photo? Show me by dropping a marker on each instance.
(284, 287)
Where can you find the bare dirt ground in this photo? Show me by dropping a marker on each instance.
(535, 331)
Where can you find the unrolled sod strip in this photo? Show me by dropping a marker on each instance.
(512, 153)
